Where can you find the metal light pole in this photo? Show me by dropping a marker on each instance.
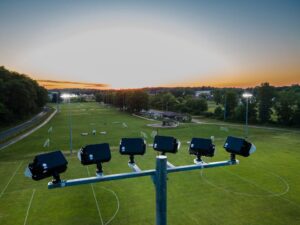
(161, 190)
(159, 176)
(70, 126)
(247, 96)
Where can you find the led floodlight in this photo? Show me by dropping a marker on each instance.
(165, 144)
(201, 147)
(239, 146)
(47, 165)
(95, 154)
(132, 146)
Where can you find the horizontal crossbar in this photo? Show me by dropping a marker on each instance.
(89, 180)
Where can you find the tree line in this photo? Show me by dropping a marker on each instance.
(20, 96)
(268, 104)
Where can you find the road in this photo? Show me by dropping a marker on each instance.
(13, 131)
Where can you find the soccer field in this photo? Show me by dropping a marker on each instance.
(263, 189)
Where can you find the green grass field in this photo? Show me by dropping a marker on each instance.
(263, 189)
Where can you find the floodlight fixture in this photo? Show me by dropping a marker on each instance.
(95, 154)
(132, 147)
(247, 95)
(238, 146)
(47, 165)
(201, 147)
(166, 144)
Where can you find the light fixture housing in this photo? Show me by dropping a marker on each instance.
(47, 165)
(202, 147)
(132, 147)
(239, 146)
(166, 144)
(95, 154)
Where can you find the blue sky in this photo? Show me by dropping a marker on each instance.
(152, 43)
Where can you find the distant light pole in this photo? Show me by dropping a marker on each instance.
(70, 125)
(247, 96)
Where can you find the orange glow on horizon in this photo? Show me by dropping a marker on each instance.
(52, 84)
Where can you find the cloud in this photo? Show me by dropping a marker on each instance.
(54, 84)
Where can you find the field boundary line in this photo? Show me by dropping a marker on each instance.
(272, 194)
(11, 178)
(97, 205)
(29, 206)
(118, 205)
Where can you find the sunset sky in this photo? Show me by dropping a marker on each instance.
(132, 44)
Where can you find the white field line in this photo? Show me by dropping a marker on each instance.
(118, 205)
(18, 138)
(271, 193)
(97, 205)
(27, 213)
(11, 178)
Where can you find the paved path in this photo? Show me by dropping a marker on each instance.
(7, 133)
(242, 125)
(18, 138)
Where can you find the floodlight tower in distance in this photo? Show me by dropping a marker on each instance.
(68, 97)
(246, 95)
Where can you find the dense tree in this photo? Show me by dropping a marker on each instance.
(219, 112)
(217, 96)
(20, 96)
(137, 101)
(231, 101)
(265, 96)
(99, 97)
(120, 99)
(296, 115)
(168, 101)
(240, 112)
(196, 106)
(285, 107)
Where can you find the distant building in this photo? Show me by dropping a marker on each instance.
(157, 114)
(87, 97)
(204, 93)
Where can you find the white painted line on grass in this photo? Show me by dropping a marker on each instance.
(97, 205)
(279, 195)
(14, 174)
(118, 205)
(27, 213)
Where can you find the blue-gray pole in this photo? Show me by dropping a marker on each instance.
(70, 125)
(161, 189)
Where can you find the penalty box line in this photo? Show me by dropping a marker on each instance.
(29, 206)
(11, 178)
